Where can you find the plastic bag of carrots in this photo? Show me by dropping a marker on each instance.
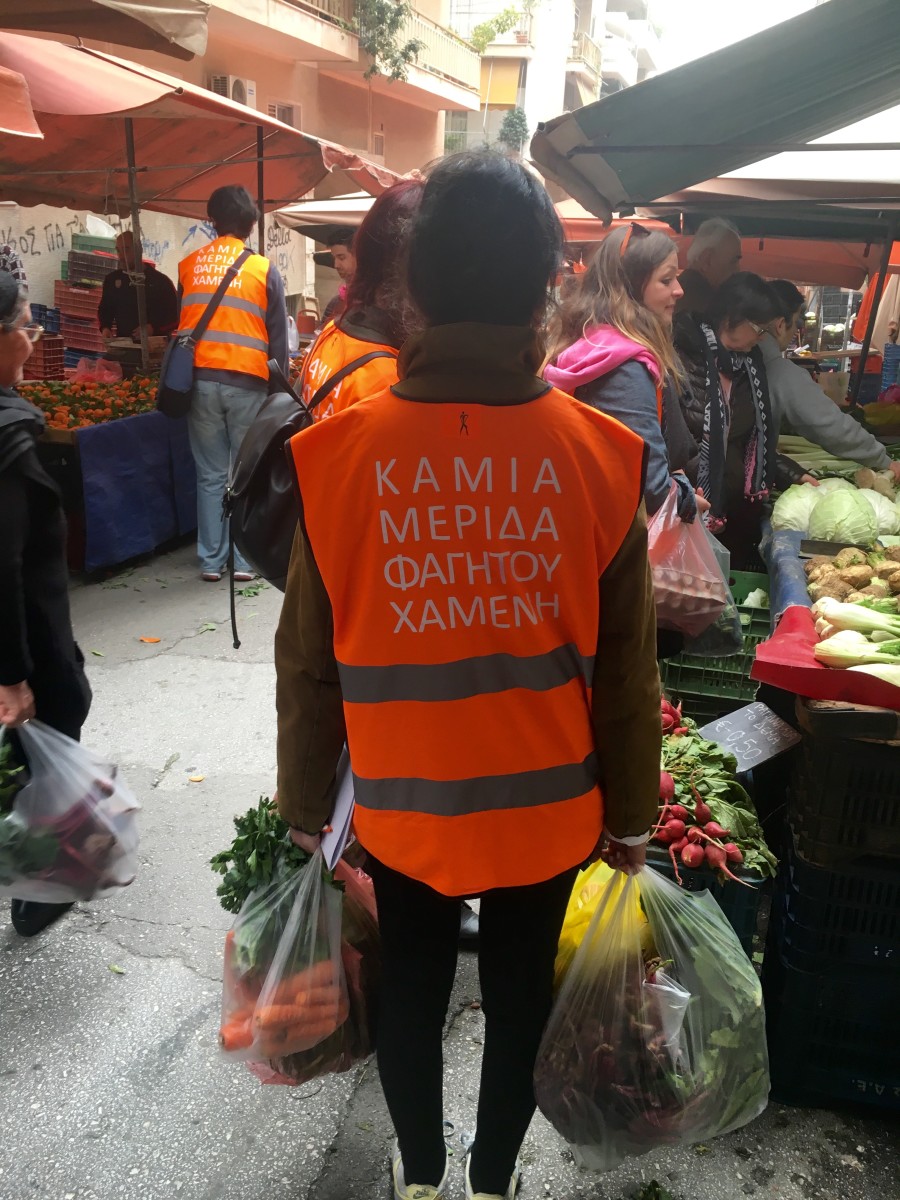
(301, 974)
(657, 1035)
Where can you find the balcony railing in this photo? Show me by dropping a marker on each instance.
(338, 12)
(443, 53)
(586, 50)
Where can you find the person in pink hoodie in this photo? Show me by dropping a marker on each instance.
(611, 347)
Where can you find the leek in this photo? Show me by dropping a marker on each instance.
(888, 674)
(856, 616)
(833, 653)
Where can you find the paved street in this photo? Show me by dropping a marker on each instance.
(111, 1081)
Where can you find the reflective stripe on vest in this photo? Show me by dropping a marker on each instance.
(462, 569)
(237, 339)
(331, 351)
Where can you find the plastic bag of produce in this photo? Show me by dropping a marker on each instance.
(71, 832)
(689, 588)
(301, 974)
(657, 1036)
(725, 636)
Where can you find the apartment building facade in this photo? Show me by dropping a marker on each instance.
(561, 55)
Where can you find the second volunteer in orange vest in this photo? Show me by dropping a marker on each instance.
(473, 610)
(231, 371)
(375, 321)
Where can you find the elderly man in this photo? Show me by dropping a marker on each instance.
(713, 256)
(118, 308)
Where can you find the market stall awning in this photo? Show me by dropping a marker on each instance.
(16, 114)
(174, 27)
(836, 64)
(188, 140)
(313, 218)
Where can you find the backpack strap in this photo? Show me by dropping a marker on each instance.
(202, 325)
(336, 378)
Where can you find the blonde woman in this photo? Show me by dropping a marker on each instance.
(612, 348)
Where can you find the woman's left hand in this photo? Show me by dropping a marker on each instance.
(809, 479)
(309, 842)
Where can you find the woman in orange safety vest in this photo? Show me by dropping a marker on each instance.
(369, 332)
(469, 604)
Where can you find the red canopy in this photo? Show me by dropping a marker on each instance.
(188, 141)
(16, 113)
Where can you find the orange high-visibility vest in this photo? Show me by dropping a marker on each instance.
(237, 339)
(462, 560)
(333, 350)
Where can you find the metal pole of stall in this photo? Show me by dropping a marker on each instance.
(140, 281)
(260, 188)
(873, 314)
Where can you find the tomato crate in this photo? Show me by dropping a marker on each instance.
(82, 334)
(78, 302)
(739, 904)
(850, 915)
(714, 687)
(831, 1034)
(47, 360)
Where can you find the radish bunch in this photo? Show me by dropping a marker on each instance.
(693, 835)
(672, 721)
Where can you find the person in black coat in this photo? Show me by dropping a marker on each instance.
(41, 667)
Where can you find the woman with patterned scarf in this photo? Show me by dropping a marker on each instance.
(728, 411)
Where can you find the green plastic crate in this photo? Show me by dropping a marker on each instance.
(87, 242)
(713, 687)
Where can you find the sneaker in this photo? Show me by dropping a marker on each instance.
(507, 1195)
(211, 576)
(414, 1191)
(243, 577)
(29, 917)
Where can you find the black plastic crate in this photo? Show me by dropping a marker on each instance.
(850, 915)
(845, 800)
(831, 1035)
(739, 904)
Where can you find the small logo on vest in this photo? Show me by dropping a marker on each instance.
(463, 424)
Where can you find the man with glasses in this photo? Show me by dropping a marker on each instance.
(798, 401)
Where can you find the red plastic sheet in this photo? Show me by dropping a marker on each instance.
(787, 661)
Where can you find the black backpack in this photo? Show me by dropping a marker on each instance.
(260, 499)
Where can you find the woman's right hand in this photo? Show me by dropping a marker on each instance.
(16, 704)
(703, 505)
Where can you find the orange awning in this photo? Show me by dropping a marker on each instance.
(582, 227)
(188, 141)
(16, 113)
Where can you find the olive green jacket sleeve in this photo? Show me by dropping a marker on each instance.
(311, 729)
(627, 724)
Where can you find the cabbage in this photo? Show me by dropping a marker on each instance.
(844, 516)
(832, 484)
(886, 513)
(793, 507)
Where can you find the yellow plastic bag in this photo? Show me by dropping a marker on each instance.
(587, 895)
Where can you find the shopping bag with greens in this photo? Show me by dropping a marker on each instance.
(301, 961)
(67, 820)
(657, 1035)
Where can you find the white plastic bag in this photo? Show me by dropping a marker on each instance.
(301, 969)
(72, 833)
(657, 1036)
(688, 586)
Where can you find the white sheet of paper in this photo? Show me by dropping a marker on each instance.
(334, 843)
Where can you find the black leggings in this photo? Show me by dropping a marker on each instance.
(519, 934)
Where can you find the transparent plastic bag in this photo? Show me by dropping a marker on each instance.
(301, 975)
(725, 636)
(689, 588)
(72, 832)
(657, 1035)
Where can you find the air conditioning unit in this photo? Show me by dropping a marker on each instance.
(286, 113)
(234, 87)
(378, 145)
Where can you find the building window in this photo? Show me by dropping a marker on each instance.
(456, 130)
